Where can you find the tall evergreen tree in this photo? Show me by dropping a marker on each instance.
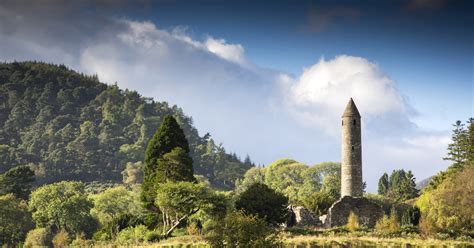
(383, 184)
(166, 159)
(399, 186)
(457, 150)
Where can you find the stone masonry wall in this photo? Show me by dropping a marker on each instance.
(367, 211)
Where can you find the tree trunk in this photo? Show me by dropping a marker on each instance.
(177, 222)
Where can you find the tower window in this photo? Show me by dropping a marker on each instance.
(343, 123)
(352, 148)
(354, 122)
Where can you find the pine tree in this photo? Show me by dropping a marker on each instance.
(177, 165)
(383, 184)
(457, 150)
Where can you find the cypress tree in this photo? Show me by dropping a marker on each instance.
(167, 154)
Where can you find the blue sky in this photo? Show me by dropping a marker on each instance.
(426, 46)
(270, 79)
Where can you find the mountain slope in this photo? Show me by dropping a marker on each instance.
(69, 126)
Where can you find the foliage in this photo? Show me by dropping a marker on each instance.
(61, 239)
(388, 225)
(253, 175)
(133, 173)
(264, 202)
(69, 126)
(352, 222)
(319, 202)
(15, 220)
(458, 148)
(400, 186)
(407, 214)
(384, 184)
(241, 230)
(114, 202)
(132, 235)
(62, 205)
(178, 201)
(298, 181)
(18, 181)
(448, 208)
(332, 184)
(166, 159)
(285, 176)
(460, 151)
(39, 237)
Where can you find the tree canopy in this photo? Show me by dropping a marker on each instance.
(400, 186)
(15, 220)
(62, 205)
(264, 202)
(18, 181)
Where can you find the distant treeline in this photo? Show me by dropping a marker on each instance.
(69, 126)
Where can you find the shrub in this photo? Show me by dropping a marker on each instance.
(388, 225)
(263, 201)
(132, 235)
(241, 230)
(38, 237)
(193, 228)
(353, 222)
(61, 239)
(319, 202)
(81, 241)
(152, 236)
(449, 206)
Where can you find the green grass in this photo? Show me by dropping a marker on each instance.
(364, 241)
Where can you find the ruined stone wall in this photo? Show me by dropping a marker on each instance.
(351, 164)
(368, 212)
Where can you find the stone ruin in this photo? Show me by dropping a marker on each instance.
(367, 212)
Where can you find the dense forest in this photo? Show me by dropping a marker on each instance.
(69, 126)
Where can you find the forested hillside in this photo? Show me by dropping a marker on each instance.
(69, 126)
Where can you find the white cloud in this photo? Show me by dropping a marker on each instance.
(320, 94)
(231, 52)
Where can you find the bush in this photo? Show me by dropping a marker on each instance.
(132, 235)
(152, 236)
(353, 222)
(61, 239)
(449, 206)
(81, 241)
(319, 202)
(194, 228)
(387, 226)
(241, 230)
(268, 204)
(39, 237)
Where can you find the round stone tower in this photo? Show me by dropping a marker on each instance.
(351, 164)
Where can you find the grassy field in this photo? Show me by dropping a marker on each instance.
(307, 241)
(318, 241)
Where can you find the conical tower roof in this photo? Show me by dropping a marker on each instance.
(351, 109)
